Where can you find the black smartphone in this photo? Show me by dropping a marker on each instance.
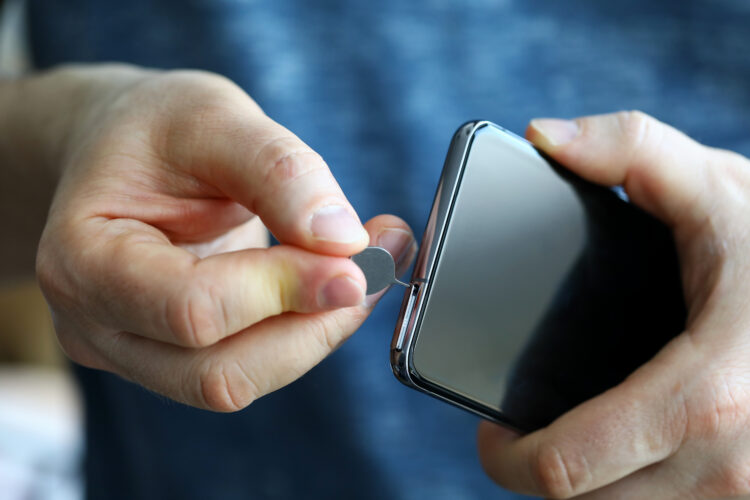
(534, 290)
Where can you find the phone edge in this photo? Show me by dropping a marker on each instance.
(412, 305)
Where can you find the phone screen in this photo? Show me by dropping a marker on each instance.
(547, 289)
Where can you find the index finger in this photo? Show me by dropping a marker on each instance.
(226, 140)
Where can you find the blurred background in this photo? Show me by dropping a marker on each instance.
(41, 438)
(669, 60)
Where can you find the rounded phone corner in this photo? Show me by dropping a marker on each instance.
(404, 332)
(399, 367)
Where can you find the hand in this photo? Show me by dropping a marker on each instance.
(154, 257)
(677, 428)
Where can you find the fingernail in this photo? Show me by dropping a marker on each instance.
(341, 291)
(336, 223)
(555, 131)
(396, 241)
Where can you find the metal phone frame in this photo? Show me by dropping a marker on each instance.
(415, 297)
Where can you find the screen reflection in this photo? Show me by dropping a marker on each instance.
(548, 290)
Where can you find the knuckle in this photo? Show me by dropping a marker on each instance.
(735, 161)
(47, 273)
(560, 474)
(193, 317)
(195, 89)
(730, 172)
(226, 388)
(720, 408)
(285, 159)
(638, 129)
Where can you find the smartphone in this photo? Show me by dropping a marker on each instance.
(533, 290)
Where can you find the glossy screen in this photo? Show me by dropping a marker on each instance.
(537, 288)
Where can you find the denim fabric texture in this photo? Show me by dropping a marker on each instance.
(377, 88)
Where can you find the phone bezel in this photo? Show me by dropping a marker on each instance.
(412, 308)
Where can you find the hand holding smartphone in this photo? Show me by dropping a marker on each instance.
(534, 290)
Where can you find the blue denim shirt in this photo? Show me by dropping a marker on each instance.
(378, 88)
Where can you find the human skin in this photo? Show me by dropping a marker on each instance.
(153, 262)
(677, 428)
(154, 257)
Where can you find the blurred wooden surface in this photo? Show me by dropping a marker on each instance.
(26, 332)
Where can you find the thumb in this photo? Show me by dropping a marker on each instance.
(662, 170)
